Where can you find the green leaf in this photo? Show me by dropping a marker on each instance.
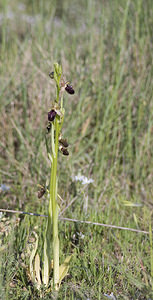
(131, 204)
(63, 269)
(45, 276)
(37, 271)
(33, 253)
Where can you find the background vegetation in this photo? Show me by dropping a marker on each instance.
(106, 51)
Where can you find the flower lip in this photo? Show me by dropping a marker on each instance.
(64, 150)
(63, 142)
(69, 89)
(51, 115)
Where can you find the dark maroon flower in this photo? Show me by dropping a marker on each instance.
(63, 142)
(51, 115)
(69, 89)
(64, 150)
(41, 192)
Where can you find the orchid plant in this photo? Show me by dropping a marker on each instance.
(54, 143)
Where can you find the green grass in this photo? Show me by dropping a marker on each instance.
(105, 48)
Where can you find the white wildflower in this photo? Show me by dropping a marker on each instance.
(83, 179)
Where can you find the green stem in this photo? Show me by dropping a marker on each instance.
(55, 210)
(51, 237)
(52, 224)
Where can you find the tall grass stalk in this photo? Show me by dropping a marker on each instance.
(151, 254)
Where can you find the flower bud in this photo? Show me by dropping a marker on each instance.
(51, 115)
(51, 75)
(58, 69)
(48, 127)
